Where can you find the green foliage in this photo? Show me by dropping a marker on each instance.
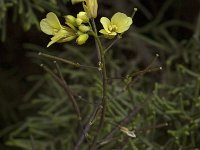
(25, 12)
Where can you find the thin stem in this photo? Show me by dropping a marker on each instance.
(133, 13)
(66, 61)
(59, 71)
(104, 80)
(67, 90)
(87, 127)
(113, 43)
(146, 70)
(126, 120)
(136, 73)
(73, 93)
(96, 43)
(140, 130)
(33, 145)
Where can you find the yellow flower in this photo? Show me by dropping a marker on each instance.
(90, 7)
(119, 23)
(51, 26)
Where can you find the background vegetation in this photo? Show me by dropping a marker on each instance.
(35, 109)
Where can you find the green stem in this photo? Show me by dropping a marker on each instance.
(114, 41)
(66, 61)
(96, 43)
(104, 80)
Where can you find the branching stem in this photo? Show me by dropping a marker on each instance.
(66, 89)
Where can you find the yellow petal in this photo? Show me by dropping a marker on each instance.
(122, 21)
(103, 31)
(108, 35)
(113, 33)
(50, 43)
(61, 34)
(53, 21)
(106, 23)
(46, 28)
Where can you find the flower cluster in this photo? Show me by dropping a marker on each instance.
(74, 29)
(79, 27)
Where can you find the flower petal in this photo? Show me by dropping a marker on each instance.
(103, 31)
(108, 35)
(112, 33)
(53, 21)
(122, 21)
(50, 43)
(105, 22)
(46, 28)
(61, 34)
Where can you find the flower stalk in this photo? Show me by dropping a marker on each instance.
(104, 81)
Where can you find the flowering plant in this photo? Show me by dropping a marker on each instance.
(81, 28)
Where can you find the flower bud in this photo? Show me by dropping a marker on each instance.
(91, 7)
(82, 39)
(84, 28)
(83, 16)
(79, 33)
(79, 21)
(70, 19)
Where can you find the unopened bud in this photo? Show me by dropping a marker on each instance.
(82, 39)
(84, 28)
(83, 16)
(70, 19)
(79, 21)
(91, 7)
